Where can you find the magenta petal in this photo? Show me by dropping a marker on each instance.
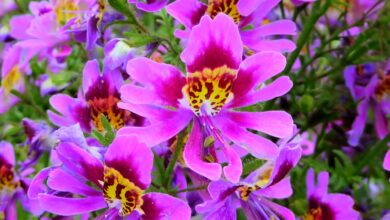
(212, 44)
(149, 6)
(159, 132)
(255, 70)
(280, 27)
(187, 12)
(281, 211)
(246, 7)
(148, 111)
(62, 181)
(280, 190)
(159, 206)
(276, 123)
(287, 159)
(381, 125)
(133, 159)
(277, 88)
(233, 170)
(255, 144)
(37, 185)
(19, 24)
(71, 206)
(386, 162)
(81, 162)
(317, 188)
(281, 45)
(62, 103)
(138, 95)
(358, 124)
(91, 74)
(7, 153)
(193, 155)
(163, 80)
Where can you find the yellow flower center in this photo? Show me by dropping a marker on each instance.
(11, 79)
(314, 214)
(383, 88)
(121, 193)
(209, 89)
(228, 7)
(264, 177)
(65, 10)
(7, 178)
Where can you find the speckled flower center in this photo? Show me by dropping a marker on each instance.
(11, 79)
(264, 177)
(245, 191)
(102, 101)
(121, 193)
(7, 178)
(314, 214)
(383, 88)
(65, 10)
(208, 90)
(228, 7)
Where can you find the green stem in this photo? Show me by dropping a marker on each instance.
(172, 163)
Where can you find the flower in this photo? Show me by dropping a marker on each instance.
(386, 162)
(13, 185)
(244, 13)
(100, 97)
(371, 89)
(253, 194)
(149, 5)
(117, 183)
(217, 82)
(324, 205)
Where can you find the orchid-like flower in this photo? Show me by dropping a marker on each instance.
(244, 13)
(253, 194)
(324, 205)
(371, 88)
(13, 185)
(149, 5)
(217, 83)
(99, 98)
(118, 184)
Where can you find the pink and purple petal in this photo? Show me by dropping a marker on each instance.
(213, 43)
(159, 206)
(133, 159)
(187, 12)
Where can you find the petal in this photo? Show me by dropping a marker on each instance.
(386, 162)
(381, 125)
(164, 80)
(139, 95)
(280, 190)
(358, 124)
(255, 70)
(280, 27)
(187, 12)
(91, 74)
(63, 181)
(281, 45)
(349, 77)
(7, 153)
(133, 159)
(62, 103)
(193, 155)
(19, 24)
(259, 146)
(81, 162)
(287, 159)
(233, 170)
(161, 206)
(277, 88)
(150, 6)
(148, 111)
(213, 43)
(281, 211)
(275, 123)
(159, 132)
(71, 206)
(37, 185)
(246, 7)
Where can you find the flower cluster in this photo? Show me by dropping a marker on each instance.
(182, 109)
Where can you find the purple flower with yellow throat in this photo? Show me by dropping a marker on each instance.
(244, 13)
(255, 192)
(85, 184)
(99, 97)
(370, 87)
(217, 83)
(13, 185)
(324, 205)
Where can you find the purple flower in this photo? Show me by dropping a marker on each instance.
(149, 5)
(244, 13)
(99, 97)
(13, 185)
(254, 193)
(217, 82)
(386, 162)
(117, 54)
(15, 66)
(6, 6)
(371, 91)
(324, 205)
(117, 183)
